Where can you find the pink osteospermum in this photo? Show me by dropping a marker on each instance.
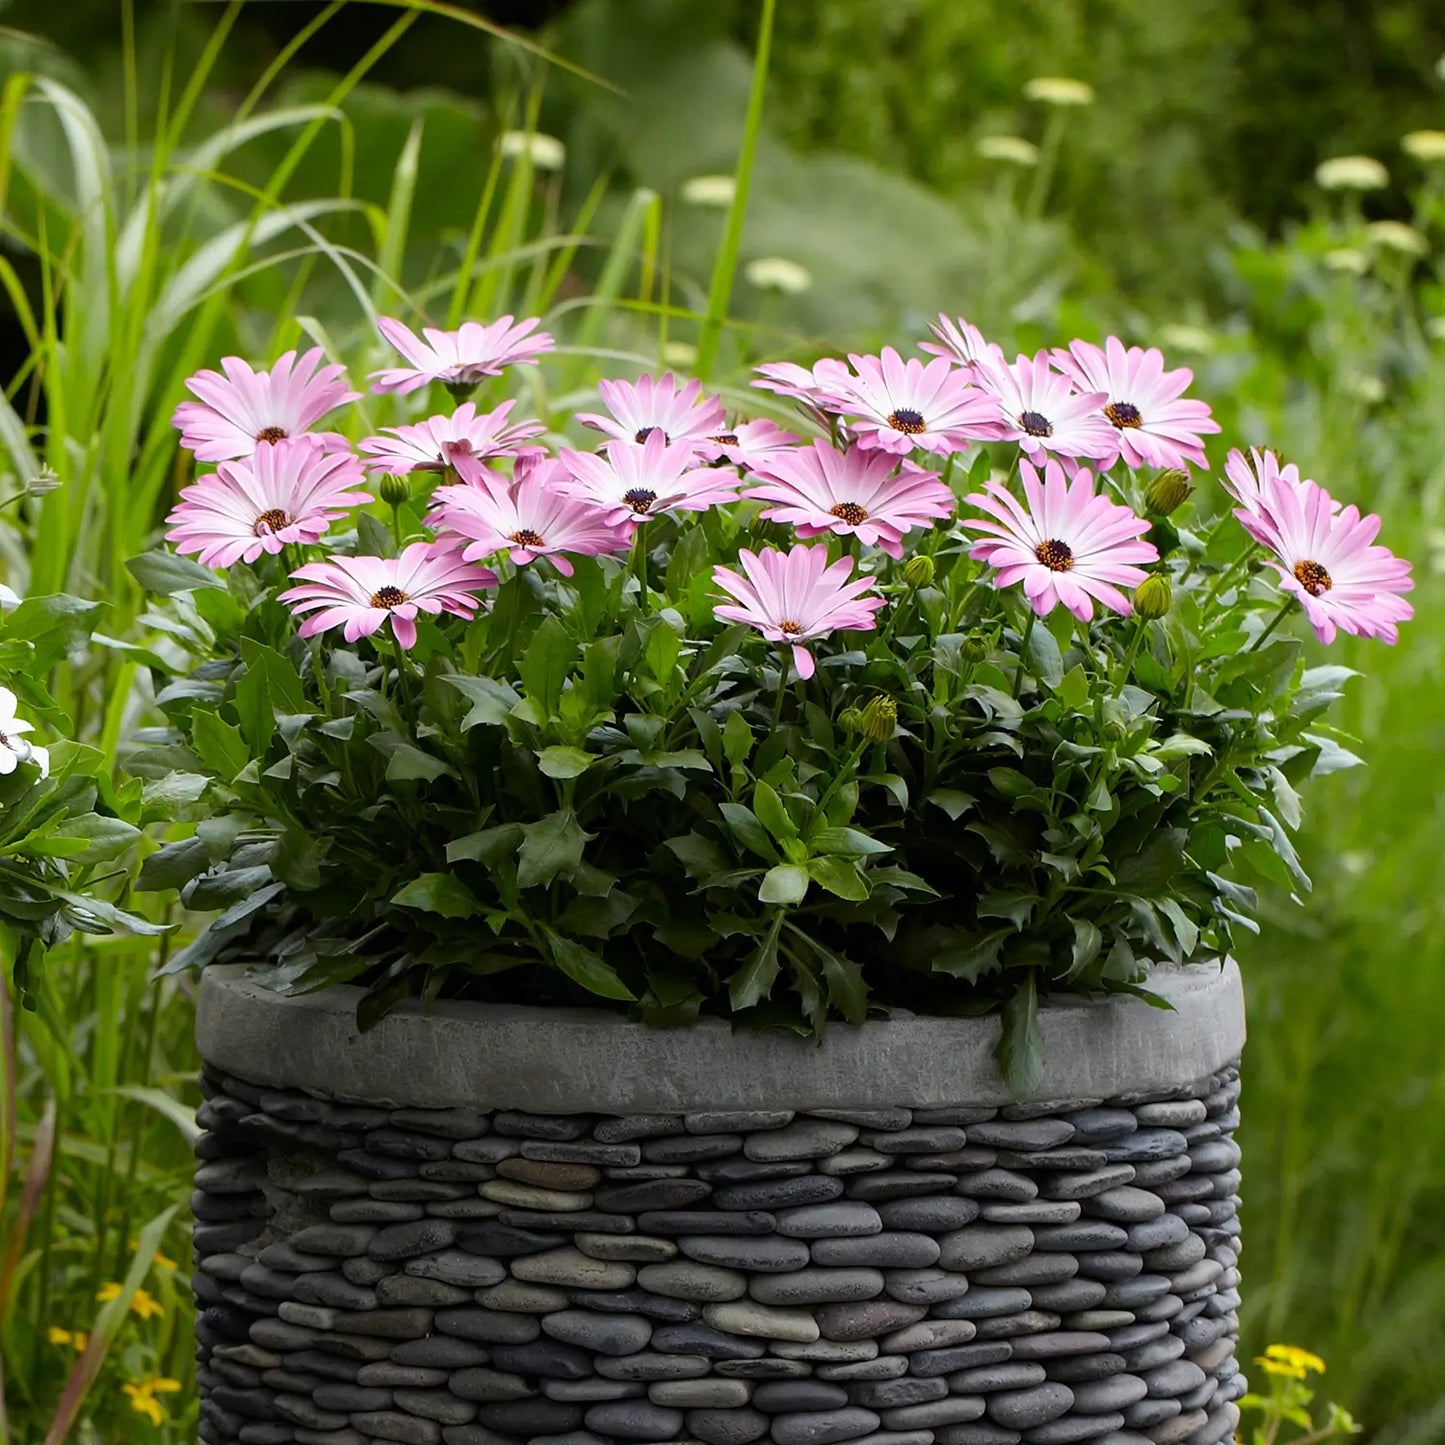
(1043, 412)
(286, 491)
(1248, 478)
(1155, 424)
(818, 489)
(429, 446)
(631, 483)
(820, 387)
(896, 405)
(241, 407)
(459, 358)
(358, 594)
(1327, 557)
(749, 444)
(527, 516)
(1064, 543)
(963, 343)
(794, 597)
(655, 404)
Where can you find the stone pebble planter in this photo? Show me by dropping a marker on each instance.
(483, 1225)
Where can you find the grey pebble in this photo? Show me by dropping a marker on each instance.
(438, 1405)
(584, 1152)
(1174, 1379)
(984, 1432)
(924, 1286)
(635, 1420)
(485, 1151)
(406, 1289)
(938, 1140)
(1089, 1182)
(604, 1334)
(1060, 1342)
(649, 1366)
(1156, 1352)
(868, 1118)
(1117, 1392)
(551, 1358)
(889, 1394)
(1115, 1265)
(779, 1396)
(727, 1427)
(1024, 1409)
(1074, 1157)
(764, 1369)
(455, 1266)
(650, 1195)
(816, 1286)
(932, 1214)
(981, 1302)
(780, 1193)
(1147, 1145)
(700, 1394)
(1069, 1429)
(746, 1317)
(843, 1219)
(685, 1279)
(955, 1410)
(1022, 1134)
(673, 1223)
(342, 1241)
(437, 1352)
(629, 1248)
(855, 1161)
(981, 1246)
(893, 1250)
(516, 1124)
(988, 1379)
(885, 1367)
(1172, 1113)
(899, 1184)
(763, 1254)
(1087, 1235)
(636, 1126)
(1036, 1211)
(393, 1425)
(1069, 1296)
(928, 1335)
(867, 1319)
(389, 1376)
(1008, 1327)
(690, 1148)
(637, 1301)
(488, 1325)
(804, 1138)
(572, 1269)
(1003, 1184)
(374, 1211)
(823, 1427)
(827, 1351)
(962, 1357)
(696, 1337)
(740, 1122)
(1093, 1125)
(403, 1241)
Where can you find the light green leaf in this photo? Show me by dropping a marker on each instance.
(737, 738)
(584, 967)
(1087, 942)
(441, 893)
(838, 876)
(546, 663)
(563, 762)
(1020, 1051)
(552, 848)
(167, 573)
(219, 745)
(787, 884)
(771, 813)
(408, 763)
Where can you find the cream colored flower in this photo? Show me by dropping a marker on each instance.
(1013, 149)
(777, 273)
(1435, 328)
(1352, 173)
(1366, 387)
(1182, 337)
(1397, 236)
(715, 191)
(1347, 259)
(545, 152)
(682, 354)
(1424, 145)
(1059, 90)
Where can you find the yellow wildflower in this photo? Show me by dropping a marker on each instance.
(108, 1292)
(142, 1396)
(161, 1261)
(142, 1302)
(1281, 1368)
(1301, 1359)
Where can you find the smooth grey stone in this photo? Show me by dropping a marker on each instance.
(955, 1115)
(775, 1194)
(486, 1151)
(982, 1246)
(388, 1376)
(855, 1161)
(746, 1317)
(1060, 1342)
(1158, 1233)
(502, 1241)
(317, 1362)
(374, 1211)
(1201, 1334)
(601, 1155)
(628, 1248)
(885, 1367)
(1101, 1320)
(636, 1302)
(403, 1145)
(969, 1160)
(533, 1198)
(1132, 1294)
(700, 1394)
(591, 1390)
(894, 1250)
(924, 1286)
(1094, 1125)
(823, 1427)
(438, 1352)
(650, 1365)
(344, 1398)
(515, 1124)
(929, 1335)
(376, 1166)
(866, 1319)
(445, 1123)
(1155, 1353)
(1130, 1337)
(804, 1138)
(763, 1254)
(687, 1280)
(340, 1241)
(651, 1194)
(1072, 1428)
(1185, 1251)
(397, 1324)
(936, 1140)
(272, 1283)
(1002, 1184)
(743, 1121)
(1110, 1267)
(1151, 1412)
(1076, 1369)
(844, 1219)
(404, 1241)
(899, 1184)
(635, 1420)
(492, 1326)
(1008, 1327)
(984, 1432)
(1030, 1273)
(223, 1238)
(1172, 1113)
(1036, 1211)
(1101, 1397)
(930, 1214)
(438, 1405)
(696, 1337)
(867, 1118)
(1180, 1428)
(1158, 1172)
(816, 1286)
(636, 1126)
(1146, 1145)
(570, 1178)
(1024, 1409)
(530, 1418)
(454, 1266)
(955, 1410)
(1073, 1158)
(770, 1368)
(572, 1269)
(393, 1425)
(960, 1357)
(1162, 1309)
(1086, 1184)
(1083, 1236)
(727, 1427)
(1201, 1397)
(1022, 1134)
(690, 1148)
(1176, 1378)
(550, 1358)
(1069, 1296)
(335, 1292)
(576, 1222)
(987, 1379)
(674, 1223)
(278, 1335)
(981, 1302)
(231, 1176)
(299, 1409)
(604, 1334)
(738, 1170)
(421, 1191)
(779, 1396)
(891, 1394)
(1197, 1279)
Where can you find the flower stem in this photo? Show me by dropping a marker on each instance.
(1273, 623)
(396, 528)
(639, 565)
(1223, 580)
(1024, 652)
(1133, 651)
(782, 693)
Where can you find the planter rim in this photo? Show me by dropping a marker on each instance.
(564, 1060)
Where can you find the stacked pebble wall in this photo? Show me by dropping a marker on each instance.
(1028, 1275)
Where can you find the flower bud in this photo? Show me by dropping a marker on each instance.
(851, 720)
(973, 651)
(1152, 597)
(918, 570)
(43, 484)
(1167, 492)
(395, 490)
(880, 719)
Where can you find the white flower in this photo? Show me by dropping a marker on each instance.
(1435, 328)
(1059, 90)
(1011, 148)
(9, 598)
(1183, 337)
(679, 353)
(1397, 236)
(710, 191)
(777, 273)
(1346, 258)
(14, 750)
(1352, 173)
(1424, 145)
(545, 152)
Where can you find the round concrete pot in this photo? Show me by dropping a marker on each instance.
(477, 1224)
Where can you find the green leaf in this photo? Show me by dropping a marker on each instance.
(969, 956)
(1155, 865)
(492, 700)
(410, 764)
(166, 573)
(173, 865)
(488, 846)
(441, 893)
(1010, 782)
(561, 762)
(104, 838)
(163, 799)
(1020, 1051)
(1073, 688)
(1045, 660)
(737, 738)
(848, 841)
(753, 982)
(546, 663)
(770, 812)
(1012, 903)
(847, 991)
(584, 967)
(838, 876)
(745, 827)
(952, 801)
(552, 847)
(700, 856)
(787, 884)
(1087, 943)
(661, 652)
(219, 745)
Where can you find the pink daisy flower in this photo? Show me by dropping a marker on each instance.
(459, 358)
(1155, 425)
(963, 343)
(817, 489)
(286, 491)
(820, 387)
(358, 594)
(1044, 414)
(243, 407)
(796, 596)
(896, 405)
(1066, 545)
(631, 483)
(1327, 558)
(748, 445)
(1248, 479)
(430, 445)
(527, 516)
(655, 404)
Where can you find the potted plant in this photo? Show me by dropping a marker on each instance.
(692, 904)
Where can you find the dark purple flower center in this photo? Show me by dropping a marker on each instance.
(526, 537)
(271, 521)
(1036, 424)
(849, 512)
(644, 432)
(908, 421)
(388, 597)
(272, 434)
(727, 439)
(639, 499)
(791, 627)
(1055, 555)
(1124, 414)
(1313, 577)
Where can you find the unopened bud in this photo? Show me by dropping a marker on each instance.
(851, 719)
(1153, 596)
(395, 490)
(972, 651)
(880, 719)
(44, 484)
(1167, 492)
(918, 570)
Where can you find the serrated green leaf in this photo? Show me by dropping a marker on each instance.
(545, 664)
(489, 845)
(552, 848)
(786, 884)
(737, 738)
(1087, 943)
(754, 981)
(744, 826)
(586, 968)
(770, 812)
(952, 801)
(850, 842)
(838, 876)
(1015, 904)
(219, 745)
(411, 764)
(562, 762)
(173, 866)
(441, 893)
(1073, 688)
(1020, 1051)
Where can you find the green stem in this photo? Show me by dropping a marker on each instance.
(1223, 581)
(396, 528)
(1273, 623)
(839, 777)
(1133, 651)
(782, 693)
(639, 565)
(1024, 652)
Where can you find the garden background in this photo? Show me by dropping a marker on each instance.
(181, 181)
